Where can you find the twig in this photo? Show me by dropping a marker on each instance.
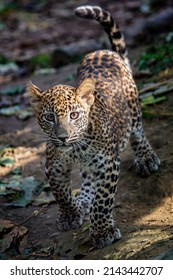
(34, 214)
(158, 113)
(40, 255)
(154, 86)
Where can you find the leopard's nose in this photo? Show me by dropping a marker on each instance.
(61, 133)
(63, 138)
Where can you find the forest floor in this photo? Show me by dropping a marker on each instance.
(143, 206)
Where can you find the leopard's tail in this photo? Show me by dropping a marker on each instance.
(111, 28)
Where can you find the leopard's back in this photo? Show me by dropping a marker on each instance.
(115, 93)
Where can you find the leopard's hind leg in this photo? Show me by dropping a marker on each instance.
(146, 160)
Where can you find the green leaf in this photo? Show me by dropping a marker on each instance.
(25, 114)
(169, 37)
(9, 67)
(6, 162)
(7, 7)
(45, 71)
(158, 57)
(12, 90)
(10, 110)
(17, 171)
(2, 149)
(19, 192)
(40, 60)
(3, 59)
(151, 100)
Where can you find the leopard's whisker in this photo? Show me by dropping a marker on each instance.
(38, 142)
(80, 149)
(83, 143)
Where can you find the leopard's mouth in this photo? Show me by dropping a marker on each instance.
(65, 142)
(65, 147)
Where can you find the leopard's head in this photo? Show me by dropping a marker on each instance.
(63, 111)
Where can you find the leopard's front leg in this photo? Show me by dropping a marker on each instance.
(103, 229)
(58, 173)
(85, 197)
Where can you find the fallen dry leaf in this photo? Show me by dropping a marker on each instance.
(5, 225)
(12, 236)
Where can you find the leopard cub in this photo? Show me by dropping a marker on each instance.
(91, 123)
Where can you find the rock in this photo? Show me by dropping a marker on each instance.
(160, 22)
(144, 28)
(74, 51)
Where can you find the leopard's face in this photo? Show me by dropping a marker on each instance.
(63, 111)
(62, 117)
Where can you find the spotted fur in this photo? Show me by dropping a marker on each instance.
(91, 123)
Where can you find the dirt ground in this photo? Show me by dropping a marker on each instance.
(143, 206)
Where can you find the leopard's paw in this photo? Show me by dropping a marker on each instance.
(83, 204)
(146, 165)
(68, 221)
(105, 237)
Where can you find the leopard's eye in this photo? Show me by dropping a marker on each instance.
(74, 115)
(50, 117)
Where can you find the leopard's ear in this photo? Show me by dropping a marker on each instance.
(85, 93)
(35, 95)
